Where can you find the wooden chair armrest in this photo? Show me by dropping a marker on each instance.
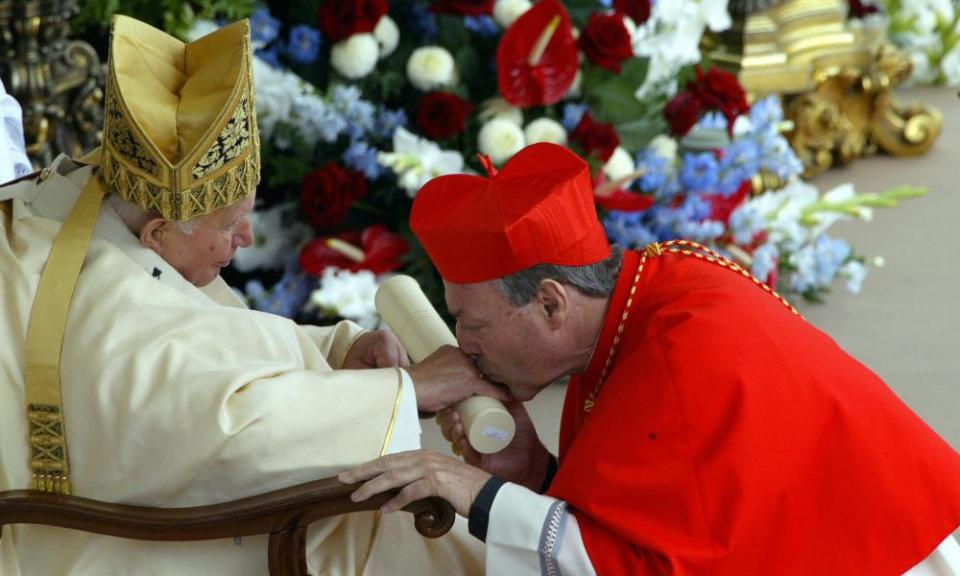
(283, 514)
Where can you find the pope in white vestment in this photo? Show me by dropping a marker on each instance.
(176, 395)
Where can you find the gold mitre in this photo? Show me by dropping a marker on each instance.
(180, 131)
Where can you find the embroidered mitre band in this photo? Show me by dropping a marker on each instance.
(180, 134)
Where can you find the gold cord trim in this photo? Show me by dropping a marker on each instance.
(396, 413)
(48, 319)
(652, 250)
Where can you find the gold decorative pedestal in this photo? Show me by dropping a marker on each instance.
(57, 81)
(835, 81)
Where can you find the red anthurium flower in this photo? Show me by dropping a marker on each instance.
(328, 192)
(606, 41)
(624, 201)
(462, 7)
(722, 207)
(441, 115)
(637, 10)
(537, 56)
(595, 138)
(376, 249)
(339, 19)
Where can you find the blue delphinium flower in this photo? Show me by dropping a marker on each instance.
(263, 27)
(318, 120)
(387, 121)
(830, 254)
(764, 261)
(358, 113)
(657, 176)
(481, 25)
(572, 114)
(745, 222)
(741, 160)
(285, 298)
(699, 172)
(422, 21)
(855, 272)
(778, 157)
(704, 231)
(271, 56)
(304, 44)
(766, 114)
(713, 120)
(627, 229)
(362, 158)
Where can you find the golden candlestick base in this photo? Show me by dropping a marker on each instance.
(835, 81)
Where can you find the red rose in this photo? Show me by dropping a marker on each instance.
(339, 19)
(860, 9)
(441, 115)
(328, 192)
(637, 10)
(682, 113)
(606, 41)
(720, 90)
(463, 7)
(596, 138)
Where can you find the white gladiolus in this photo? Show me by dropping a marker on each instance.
(348, 294)
(619, 165)
(500, 108)
(387, 35)
(431, 67)
(505, 12)
(356, 56)
(415, 160)
(545, 130)
(500, 139)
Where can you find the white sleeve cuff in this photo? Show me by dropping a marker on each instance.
(406, 430)
(533, 534)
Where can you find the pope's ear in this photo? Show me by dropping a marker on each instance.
(151, 234)
(554, 302)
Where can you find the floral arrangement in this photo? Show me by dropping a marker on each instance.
(927, 30)
(360, 102)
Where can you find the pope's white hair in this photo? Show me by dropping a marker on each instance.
(135, 217)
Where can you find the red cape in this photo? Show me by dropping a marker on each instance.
(731, 437)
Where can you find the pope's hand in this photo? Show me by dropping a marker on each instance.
(419, 474)
(379, 349)
(448, 376)
(524, 461)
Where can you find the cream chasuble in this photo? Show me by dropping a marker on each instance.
(177, 396)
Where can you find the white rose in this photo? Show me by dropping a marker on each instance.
(619, 166)
(356, 56)
(545, 130)
(505, 12)
(431, 67)
(664, 146)
(500, 139)
(387, 34)
(500, 108)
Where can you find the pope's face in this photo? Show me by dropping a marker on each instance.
(200, 256)
(512, 345)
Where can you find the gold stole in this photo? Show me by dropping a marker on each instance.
(48, 319)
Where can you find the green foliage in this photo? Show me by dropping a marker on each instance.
(174, 16)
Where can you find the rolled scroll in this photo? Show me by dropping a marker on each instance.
(404, 306)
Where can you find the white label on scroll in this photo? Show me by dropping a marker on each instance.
(492, 432)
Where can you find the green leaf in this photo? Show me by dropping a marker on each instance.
(636, 134)
(611, 96)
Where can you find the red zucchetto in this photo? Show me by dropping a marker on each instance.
(539, 208)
